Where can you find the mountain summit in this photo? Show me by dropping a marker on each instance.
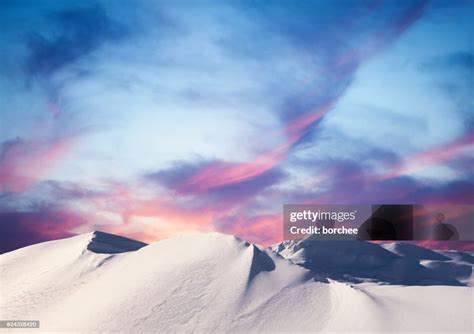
(98, 282)
(107, 243)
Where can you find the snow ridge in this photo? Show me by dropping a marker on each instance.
(105, 243)
(215, 283)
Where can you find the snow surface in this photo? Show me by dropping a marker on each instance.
(360, 261)
(214, 283)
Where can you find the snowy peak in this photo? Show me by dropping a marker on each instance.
(414, 251)
(360, 261)
(261, 262)
(105, 243)
(216, 283)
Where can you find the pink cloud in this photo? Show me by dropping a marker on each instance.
(265, 229)
(432, 157)
(24, 162)
(221, 174)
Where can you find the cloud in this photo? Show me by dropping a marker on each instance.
(460, 60)
(24, 162)
(262, 229)
(348, 182)
(299, 119)
(82, 30)
(220, 175)
(182, 179)
(19, 229)
(432, 157)
(55, 195)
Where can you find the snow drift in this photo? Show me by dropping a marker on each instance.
(215, 283)
(359, 261)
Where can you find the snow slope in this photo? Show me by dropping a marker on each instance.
(359, 261)
(456, 265)
(213, 283)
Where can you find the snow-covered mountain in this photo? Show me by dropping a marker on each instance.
(394, 263)
(215, 283)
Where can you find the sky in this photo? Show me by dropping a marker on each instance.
(151, 119)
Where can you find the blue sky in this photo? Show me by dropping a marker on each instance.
(154, 118)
